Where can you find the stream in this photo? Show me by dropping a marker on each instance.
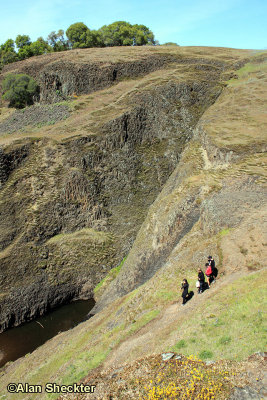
(16, 342)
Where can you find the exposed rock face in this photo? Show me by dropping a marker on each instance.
(64, 78)
(213, 189)
(35, 116)
(11, 160)
(79, 72)
(185, 201)
(246, 393)
(71, 210)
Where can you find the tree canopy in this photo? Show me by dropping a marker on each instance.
(118, 33)
(22, 41)
(78, 35)
(19, 90)
(57, 41)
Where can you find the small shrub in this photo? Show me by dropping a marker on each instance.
(52, 122)
(224, 232)
(253, 266)
(19, 90)
(170, 44)
(212, 316)
(224, 340)
(243, 251)
(180, 344)
(204, 354)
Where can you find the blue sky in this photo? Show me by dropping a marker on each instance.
(227, 23)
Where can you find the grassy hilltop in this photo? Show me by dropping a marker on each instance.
(159, 167)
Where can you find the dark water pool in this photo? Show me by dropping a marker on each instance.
(17, 342)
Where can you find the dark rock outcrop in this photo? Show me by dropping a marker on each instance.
(71, 210)
(11, 160)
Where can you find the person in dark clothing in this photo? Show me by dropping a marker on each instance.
(214, 269)
(184, 288)
(201, 279)
(211, 262)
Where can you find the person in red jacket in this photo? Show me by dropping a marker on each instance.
(208, 273)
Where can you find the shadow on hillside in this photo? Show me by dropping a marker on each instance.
(189, 296)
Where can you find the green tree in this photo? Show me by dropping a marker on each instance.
(116, 34)
(9, 45)
(52, 38)
(62, 43)
(40, 46)
(57, 40)
(19, 90)
(22, 41)
(77, 34)
(143, 35)
(170, 44)
(7, 53)
(25, 52)
(121, 33)
(93, 39)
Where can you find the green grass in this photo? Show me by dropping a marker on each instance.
(224, 232)
(232, 325)
(80, 351)
(101, 286)
(83, 234)
(145, 319)
(224, 340)
(205, 333)
(166, 295)
(248, 70)
(205, 354)
(179, 345)
(92, 357)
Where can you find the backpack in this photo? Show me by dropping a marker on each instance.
(212, 263)
(213, 268)
(208, 270)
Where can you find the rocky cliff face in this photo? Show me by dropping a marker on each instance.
(167, 168)
(70, 209)
(217, 186)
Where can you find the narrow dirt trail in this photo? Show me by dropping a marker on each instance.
(148, 339)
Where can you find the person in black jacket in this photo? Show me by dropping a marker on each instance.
(211, 261)
(201, 279)
(184, 288)
(214, 269)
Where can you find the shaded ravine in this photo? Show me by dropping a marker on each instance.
(16, 342)
(102, 183)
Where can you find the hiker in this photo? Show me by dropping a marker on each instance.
(201, 280)
(208, 273)
(214, 269)
(184, 287)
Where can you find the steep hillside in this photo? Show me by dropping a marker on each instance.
(220, 183)
(166, 167)
(76, 189)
